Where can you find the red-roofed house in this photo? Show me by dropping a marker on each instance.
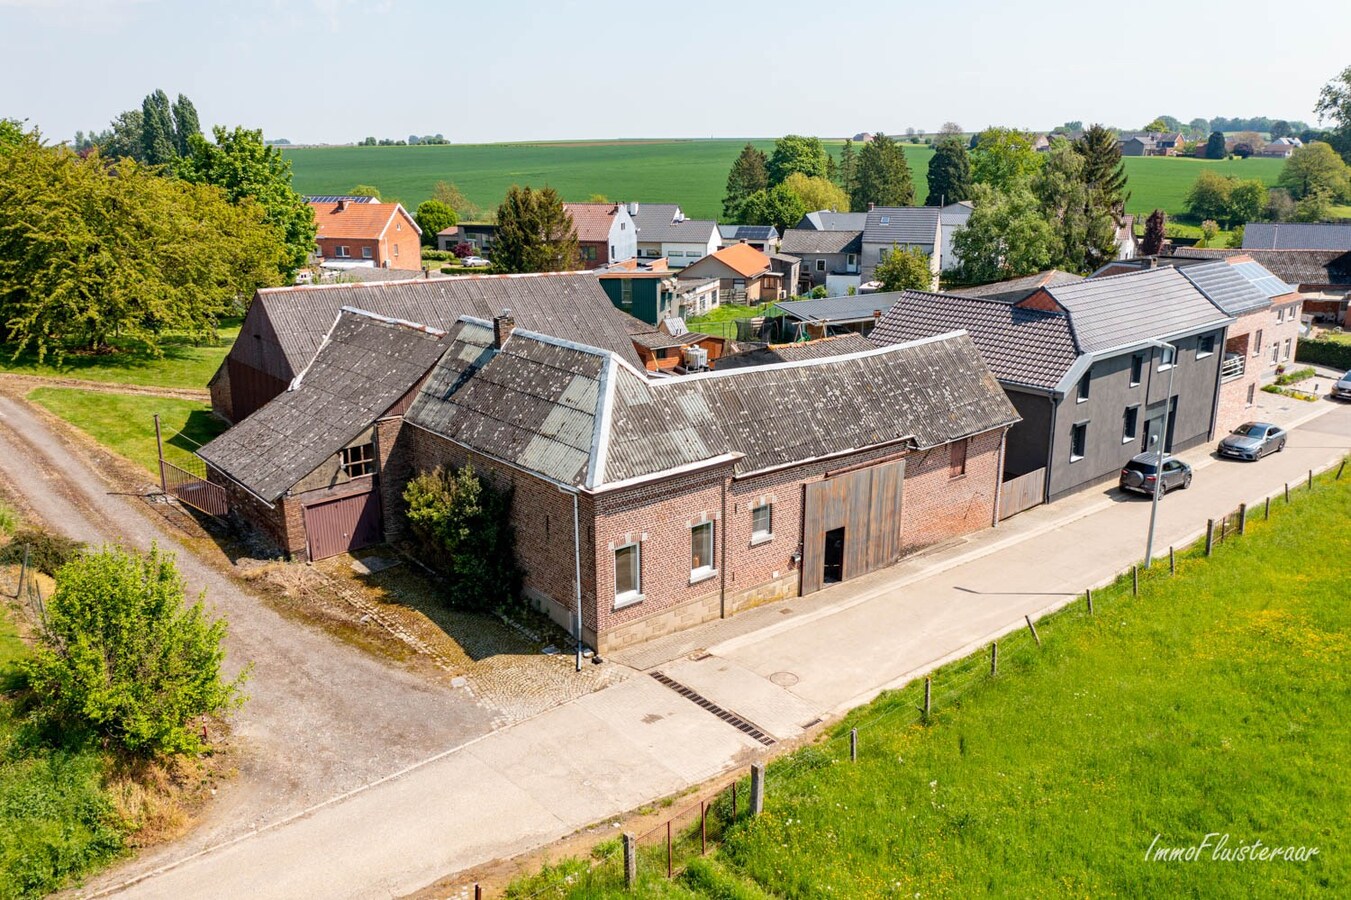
(745, 274)
(605, 232)
(382, 235)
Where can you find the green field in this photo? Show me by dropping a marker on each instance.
(1216, 704)
(124, 423)
(691, 173)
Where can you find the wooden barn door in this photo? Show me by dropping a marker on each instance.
(867, 505)
(339, 526)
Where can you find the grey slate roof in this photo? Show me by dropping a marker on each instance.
(1121, 310)
(284, 326)
(830, 220)
(1296, 267)
(804, 242)
(1017, 288)
(654, 215)
(856, 308)
(686, 231)
(364, 367)
(903, 225)
(1296, 236)
(1226, 287)
(769, 354)
(1025, 347)
(748, 232)
(582, 418)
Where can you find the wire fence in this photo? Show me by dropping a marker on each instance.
(664, 851)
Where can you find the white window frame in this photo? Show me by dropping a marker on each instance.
(1257, 344)
(1167, 358)
(1073, 428)
(1085, 387)
(1289, 348)
(343, 251)
(1137, 376)
(629, 598)
(1134, 424)
(820, 265)
(704, 572)
(366, 253)
(762, 536)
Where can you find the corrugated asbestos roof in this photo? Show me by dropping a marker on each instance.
(836, 345)
(1296, 236)
(916, 225)
(580, 417)
(284, 326)
(850, 308)
(1224, 284)
(801, 241)
(364, 366)
(1125, 309)
(1022, 346)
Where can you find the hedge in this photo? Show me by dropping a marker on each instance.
(1324, 353)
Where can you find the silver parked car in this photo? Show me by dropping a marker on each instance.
(1139, 474)
(1342, 389)
(1253, 440)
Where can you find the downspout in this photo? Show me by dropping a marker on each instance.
(999, 478)
(1050, 450)
(722, 565)
(577, 574)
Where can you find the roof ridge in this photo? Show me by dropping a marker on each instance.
(390, 320)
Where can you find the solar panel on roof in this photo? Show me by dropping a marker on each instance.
(1262, 279)
(334, 198)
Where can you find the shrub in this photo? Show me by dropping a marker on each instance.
(1324, 353)
(438, 255)
(122, 657)
(463, 249)
(7, 519)
(47, 551)
(464, 524)
(1291, 376)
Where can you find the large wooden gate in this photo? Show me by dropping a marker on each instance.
(867, 505)
(348, 523)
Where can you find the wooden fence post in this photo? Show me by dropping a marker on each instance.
(1210, 536)
(994, 659)
(1339, 469)
(1172, 562)
(1267, 514)
(853, 745)
(478, 891)
(670, 861)
(928, 698)
(1243, 518)
(1287, 492)
(1224, 527)
(1135, 580)
(1311, 479)
(630, 861)
(1088, 596)
(1032, 628)
(23, 573)
(703, 827)
(757, 788)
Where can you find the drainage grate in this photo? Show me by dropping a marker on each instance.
(730, 718)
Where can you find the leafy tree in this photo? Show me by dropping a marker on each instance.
(847, 171)
(123, 137)
(816, 193)
(1243, 150)
(1083, 224)
(598, 198)
(1104, 171)
(535, 233)
(795, 153)
(186, 124)
(12, 134)
(1316, 168)
(949, 173)
(365, 190)
(1280, 206)
(433, 217)
(1281, 128)
(1236, 238)
(158, 147)
(243, 166)
(951, 129)
(905, 269)
(1156, 228)
(123, 657)
(451, 196)
(1157, 125)
(1215, 146)
(749, 174)
(93, 250)
(367, 142)
(1247, 200)
(882, 175)
(1007, 236)
(779, 206)
(1004, 159)
(1314, 206)
(1209, 196)
(1071, 127)
(1199, 126)
(1209, 229)
(1334, 105)
(464, 524)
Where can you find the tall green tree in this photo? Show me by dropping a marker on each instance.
(1084, 226)
(1334, 106)
(1007, 236)
(1209, 196)
(465, 209)
(1004, 159)
(244, 167)
(1281, 128)
(365, 190)
(779, 206)
(1316, 168)
(1216, 148)
(882, 176)
(433, 217)
(905, 269)
(847, 170)
(949, 173)
(124, 137)
(749, 173)
(186, 124)
(1104, 172)
(1247, 201)
(796, 153)
(535, 233)
(157, 130)
(123, 656)
(816, 193)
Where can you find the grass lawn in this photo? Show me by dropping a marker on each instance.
(124, 422)
(183, 365)
(1214, 704)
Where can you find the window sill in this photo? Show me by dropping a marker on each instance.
(1081, 400)
(762, 537)
(1165, 368)
(625, 600)
(1128, 438)
(1205, 355)
(1075, 459)
(699, 575)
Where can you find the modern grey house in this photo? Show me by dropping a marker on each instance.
(1079, 364)
(665, 233)
(830, 259)
(902, 227)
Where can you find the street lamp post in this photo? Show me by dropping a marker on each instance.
(1158, 462)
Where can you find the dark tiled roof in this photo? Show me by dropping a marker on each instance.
(1296, 236)
(1022, 346)
(854, 308)
(364, 366)
(654, 215)
(1296, 267)
(1121, 310)
(284, 326)
(779, 353)
(916, 225)
(1017, 288)
(579, 416)
(749, 232)
(801, 241)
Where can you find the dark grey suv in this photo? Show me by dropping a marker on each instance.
(1252, 441)
(1139, 474)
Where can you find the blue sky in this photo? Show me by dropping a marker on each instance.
(337, 70)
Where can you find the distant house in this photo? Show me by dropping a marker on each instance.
(863, 137)
(1281, 148)
(1151, 143)
(679, 351)
(902, 227)
(605, 232)
(764, 238)
(447, 239)
(383, 235)
(952, 219)
(650, 291)
(830, 259)
(745, 275)
(664, 232)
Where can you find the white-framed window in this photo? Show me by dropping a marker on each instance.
(762, 523)
(359, 460)
(1205, 346)
(343, 252)
(1085, 385)
(820, 265)
(1130, 424)
(1137, 369)
(851, 259)
(1257, 344)
(701, 552)
(626, 293)
(1289, 345)
(396, 251)
(1078, 441)
(886, 220)
(365, 252)
(628, 575)
(1275, 351)
(1167, 357)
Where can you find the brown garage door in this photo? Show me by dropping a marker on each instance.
(338, 526)
(851, 524)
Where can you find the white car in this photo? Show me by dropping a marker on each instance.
(475, 262)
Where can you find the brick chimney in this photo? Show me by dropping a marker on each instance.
(871, 206)
(503, 325)
(342, 204)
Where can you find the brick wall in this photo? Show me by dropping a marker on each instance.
(1287, 330)
(1241, 338)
